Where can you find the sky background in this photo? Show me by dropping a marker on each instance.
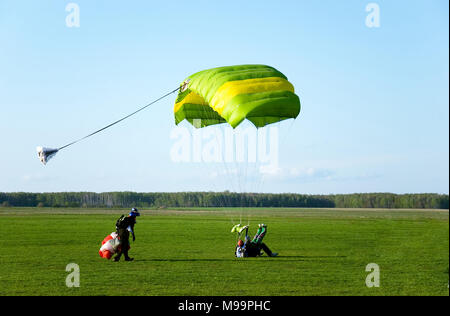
(375, 101)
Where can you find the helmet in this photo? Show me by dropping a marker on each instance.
(240, 243)
(134, 212)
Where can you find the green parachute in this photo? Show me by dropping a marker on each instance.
(258, 93)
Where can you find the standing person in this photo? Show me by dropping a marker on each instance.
(125, 226)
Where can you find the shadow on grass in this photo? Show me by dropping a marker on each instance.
(311, 257)
(185, 260)
(284, 259)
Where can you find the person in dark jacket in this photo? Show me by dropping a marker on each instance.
(252, 247)
(125, 226)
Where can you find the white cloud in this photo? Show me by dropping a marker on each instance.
(29, 178)
(296, 173)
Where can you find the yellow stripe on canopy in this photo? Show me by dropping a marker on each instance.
(233, 88)
(192, 98)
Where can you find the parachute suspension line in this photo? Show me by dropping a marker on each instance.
(255, 174)
(118, 121)
(221, 174)
(208, 170)
(282, 142)
(258, 173)
(221, 139)
(220, 143)
(214, 182)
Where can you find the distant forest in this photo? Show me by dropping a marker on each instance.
(222, 199)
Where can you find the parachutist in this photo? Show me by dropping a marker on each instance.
(125, 226)
(252, 247)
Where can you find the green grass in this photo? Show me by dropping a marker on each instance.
(190, 252)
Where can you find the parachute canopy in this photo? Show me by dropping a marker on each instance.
(258, 93)
(45, 154)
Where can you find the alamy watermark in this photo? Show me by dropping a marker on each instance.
(73, 18)
(222, 144)
(373, 17)
(73, 278)
(373, 278)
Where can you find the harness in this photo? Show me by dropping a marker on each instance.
(121, 223)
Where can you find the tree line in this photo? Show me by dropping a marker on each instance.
(222, 199)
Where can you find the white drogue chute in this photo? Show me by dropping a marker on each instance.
(45, 154)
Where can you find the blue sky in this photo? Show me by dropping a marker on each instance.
(375, 101)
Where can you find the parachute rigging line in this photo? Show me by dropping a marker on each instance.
(45, 154)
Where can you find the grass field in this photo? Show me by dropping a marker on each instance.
(190, 252)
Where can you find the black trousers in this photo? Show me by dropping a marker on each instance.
(124, 236)
(255, 250)
(266, 249)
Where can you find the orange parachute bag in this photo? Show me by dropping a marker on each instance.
(110, 246)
